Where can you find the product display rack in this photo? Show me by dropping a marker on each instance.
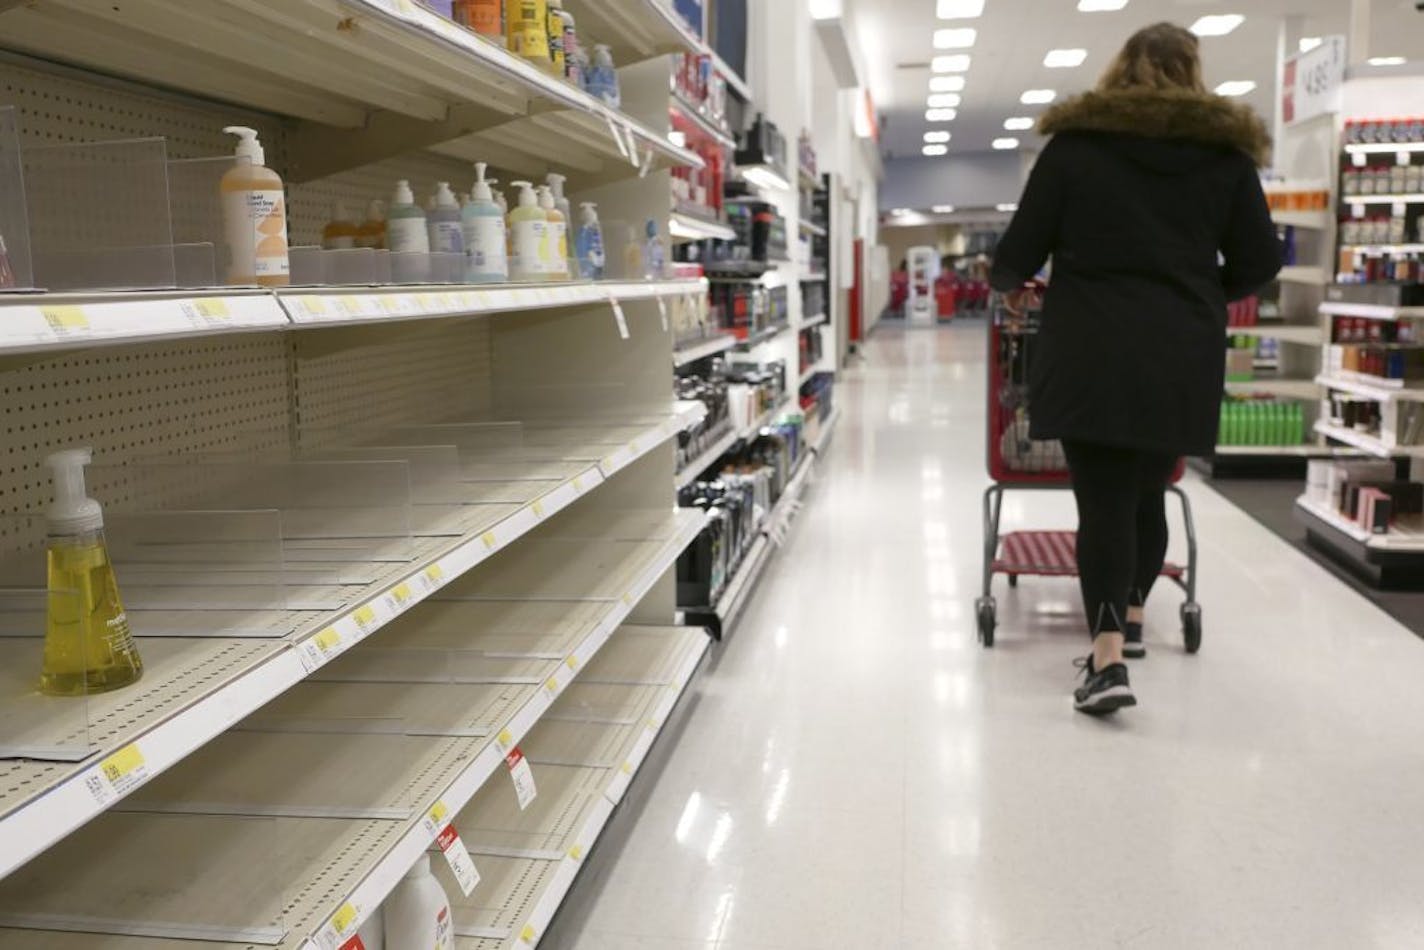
(700, 350)
(525, 606)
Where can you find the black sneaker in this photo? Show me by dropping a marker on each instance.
(1132, 646)
(1103, 691)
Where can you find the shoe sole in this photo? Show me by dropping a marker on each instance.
(1109, 700)
(1134, 651)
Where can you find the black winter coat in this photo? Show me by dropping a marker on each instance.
(1152, 211)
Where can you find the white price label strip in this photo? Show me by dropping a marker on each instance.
(647, 163)
(319, 649)
(662, 313)
(117, 775)
(618, 317)
(458, 857)
(617, 138)
(632, 150)
(523, 778)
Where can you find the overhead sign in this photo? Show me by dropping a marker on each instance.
(1311, 83)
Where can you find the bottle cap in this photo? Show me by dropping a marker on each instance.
(546, 198)
(482, 190)
(247, 145)
(556, 183)
(403, 195)
(527, 198)
(590, 212)
(73, 511)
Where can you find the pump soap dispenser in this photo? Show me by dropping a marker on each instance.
(88, 647)
(486, 258)
(528, 226)
(255, 216)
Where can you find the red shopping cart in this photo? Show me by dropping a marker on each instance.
(1018, 462)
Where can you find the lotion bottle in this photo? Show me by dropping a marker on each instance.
(418, 912)
(405, 223)
(486, 247)
(255, 216)
(444, 224)
(527, 228)
(88, 646)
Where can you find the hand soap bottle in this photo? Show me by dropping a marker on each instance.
(405, 223)
(554, 252)
(372, 232)
(486, 250)
(255, 216)
(446, 235)
(556, 185)
(418, 912)
(88, 647)
(528, 226)
(590, 243)
(340, 233)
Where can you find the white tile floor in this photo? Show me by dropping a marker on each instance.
(853, 771)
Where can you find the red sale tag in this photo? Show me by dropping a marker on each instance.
(353, 944)
(522, 776)
(458, 857)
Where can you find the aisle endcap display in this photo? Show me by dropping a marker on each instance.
(1372, 387)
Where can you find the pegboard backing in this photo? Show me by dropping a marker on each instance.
(349, 381)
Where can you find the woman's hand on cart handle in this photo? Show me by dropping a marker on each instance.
(1027, 297)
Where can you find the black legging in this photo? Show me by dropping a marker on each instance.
(1122, 527)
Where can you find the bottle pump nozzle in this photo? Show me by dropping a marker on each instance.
(482, 190)
(556, 183)
(247, 146)
(527, 198)
(73, 511)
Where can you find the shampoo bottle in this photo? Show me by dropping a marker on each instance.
(486, 246)
(529, 31)
(527, 229)
(444, 224)
(418, 912)
(255, 216)
(372, 232)
(340, 232)
(590, 243)
(405, 223)
(554, 252)
(88, 647)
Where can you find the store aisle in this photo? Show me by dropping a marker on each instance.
(853, 770)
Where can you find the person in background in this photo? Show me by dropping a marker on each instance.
(899, 289)
(1148, 200)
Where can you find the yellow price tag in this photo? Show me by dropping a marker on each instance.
(578, 485)
(66, 318)
(328, 639)
(365, 616)
(488, 539)
(438, 813)
(123, 762)
(572, 662)
(528, 933)
(628, 600)
(435, 573)
(212, 308)
(351, 305)
(505, 738)
(344, 917)
(389, 304)
(551, 684)
(627, 768)
(314, 304)
(401, 592)
(538, 507)
(576, 852)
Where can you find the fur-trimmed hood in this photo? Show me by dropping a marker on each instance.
(1172, 115)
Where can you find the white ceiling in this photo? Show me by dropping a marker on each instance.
(1014, 35)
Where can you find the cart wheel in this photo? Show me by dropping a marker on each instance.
(1013, 580)
(1191, 627)
(987, 622)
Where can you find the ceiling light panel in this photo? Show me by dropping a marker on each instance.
(1005, 144)
(940, 115)
(946, 84)
(936, 138)
(1235, 87)
(1387, 61)
(943, 100)
(1101, 6)
(958, 38)
(1065, 58)
(1007, 206)
(1217, 24)
(943, 209)
(959, 9)
(934, 151)
(1021, 123)
(1038, 97)
(954, 63)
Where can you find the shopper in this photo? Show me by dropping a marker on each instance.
(1148, 201)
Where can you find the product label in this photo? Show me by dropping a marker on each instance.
(482, 16)
(119, 774)
(529, 239)
(559, 242)
(444, 930)
(458, 857)
(447, 237)
(256, 234)
(407, 236)
(485, 248)
(522, 776)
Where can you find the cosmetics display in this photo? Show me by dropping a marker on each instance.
(747, 309)
(1367, 493)
(1375, 350)
(1263, 421)
(1381, 237)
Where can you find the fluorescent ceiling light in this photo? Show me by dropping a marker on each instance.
(901, 211)
(943, 209)
(1235, 87)
(1308, 43)
(946, 84)
(935, 150)
(1101, 6)
(1387, 60)
(1065, 58)
(1038, 97)
(1217, 24)
(954, 63)
(825, 9)
(1020, 123)
(1007, 206)
(961, 38)
(942, 100)
(936, 137)
(1004, 144)
(960, 9)
(940, 115)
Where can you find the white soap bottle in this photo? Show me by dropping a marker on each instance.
(528, 226)
(486, 247)
(443, 222)
(418, 912)
(405, 223)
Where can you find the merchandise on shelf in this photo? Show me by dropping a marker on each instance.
(1246, 354)
(528, 26)
(589, 242)
(806, 154)
(255, 213)
(484, 17)
(406, 232)
(528, 226)
(486, 242)
(1285, 195)
(1261, 421)
(813, 298)
(602, 77)
(417, 914)
(372, 232)
(747, 308)
(340, 233)
(575, 62)
(709, 387)
(812, 347)
(764, 147)
(446, 233)
(554, 247)
(7, 275)
(1405, 131)
(1244, 313)
(1368, 493)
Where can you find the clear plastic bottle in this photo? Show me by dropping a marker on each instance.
(603, 77)
(405, 223)
(255, 216)
(444, 224)
(88, 646)
(372, 232)
(589, 240)
(654, 257)
(486, 244)
(527, 228)
(554, 249)
(340, 232)
(566, 242)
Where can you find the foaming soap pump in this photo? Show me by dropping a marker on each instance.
(254, 216)
(486, 252)
(88, 647)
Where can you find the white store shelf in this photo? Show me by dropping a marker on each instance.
(1366, 443)
(1300, 274)
(1405, 199)
(1286, 333)
(1295, 451)
(1291, 388)
(1380, 249)
(1371, 387)
(765, 336)
(828, 431)
(157, 727)
(1383, 148)
(704, 124)
(689, 473)
(324, 871)
(1396, 540)
(810, 227)
(692, 352)
(1315, 220)
(1369, 311)
(815, 321)
(692, 227)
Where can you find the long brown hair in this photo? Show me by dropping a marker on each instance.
(1162, 56)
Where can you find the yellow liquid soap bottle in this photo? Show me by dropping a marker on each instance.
(88, 646)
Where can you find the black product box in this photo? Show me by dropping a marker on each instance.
(1376, 294)
(1406, 498)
